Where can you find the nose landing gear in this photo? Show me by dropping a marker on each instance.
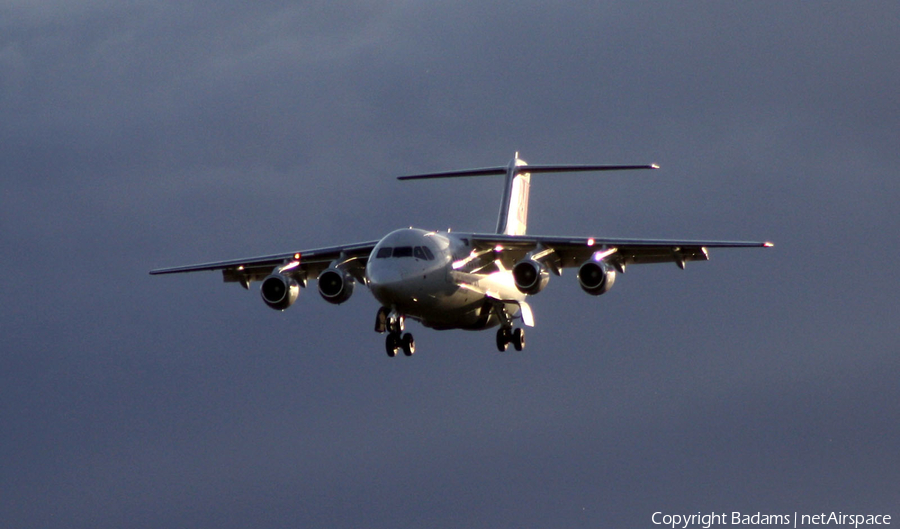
(396, 340)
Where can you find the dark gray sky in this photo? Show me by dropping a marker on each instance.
(138, 134)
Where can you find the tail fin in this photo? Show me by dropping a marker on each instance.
(513, 218)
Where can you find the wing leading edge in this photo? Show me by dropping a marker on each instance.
(308, 263)
(569, 252)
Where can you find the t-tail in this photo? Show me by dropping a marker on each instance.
(513, 218)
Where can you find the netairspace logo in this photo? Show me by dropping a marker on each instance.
(684, 521)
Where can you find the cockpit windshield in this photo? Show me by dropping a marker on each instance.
(419, 252)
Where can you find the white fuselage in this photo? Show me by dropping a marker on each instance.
(436, 279)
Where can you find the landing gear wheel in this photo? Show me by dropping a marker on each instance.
(391, 344)
(408, 344)
(518, 339)
(503, 335)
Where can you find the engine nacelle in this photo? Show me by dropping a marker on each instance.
(596, 277)
(531, 276)
(279, 291)
(335, 285)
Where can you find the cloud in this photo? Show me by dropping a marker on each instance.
(151, 134)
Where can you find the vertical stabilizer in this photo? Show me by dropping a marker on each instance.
(513, 219)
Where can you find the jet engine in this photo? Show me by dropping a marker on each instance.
(279, 291)
(596, 277)
(531, 276)
(335, 285)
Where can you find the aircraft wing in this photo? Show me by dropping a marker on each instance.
(300, 264)
(568, 252)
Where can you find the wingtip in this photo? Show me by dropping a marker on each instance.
(768, 244)
(654, 166)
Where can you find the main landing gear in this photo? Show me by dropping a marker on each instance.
(508, 335)
(391, 322)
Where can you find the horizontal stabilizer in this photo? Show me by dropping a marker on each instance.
(488, 171)
(580, 168)
(484, 171)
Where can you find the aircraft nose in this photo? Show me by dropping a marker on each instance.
(384, 281)
(383, 275)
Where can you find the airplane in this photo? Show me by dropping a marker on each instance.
(452, 280)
